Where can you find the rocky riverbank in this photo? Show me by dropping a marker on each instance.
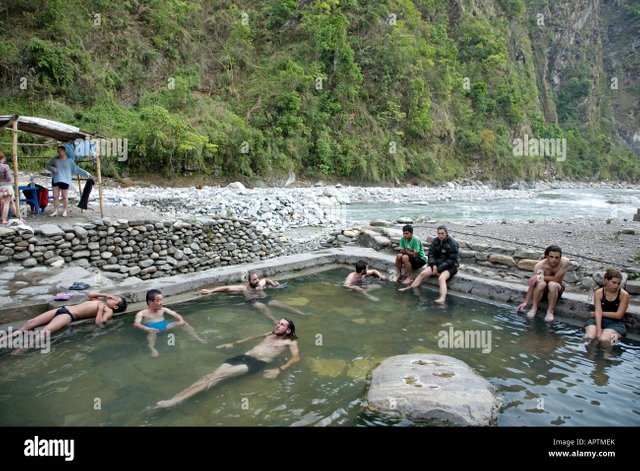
(294, 220)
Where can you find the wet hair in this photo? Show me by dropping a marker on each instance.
(151, 295)
(612, 273)
(122, 305)
(442, 227)
(552, 248)
(291, 335)
(250, 273)
(407, 228)
(360, 265)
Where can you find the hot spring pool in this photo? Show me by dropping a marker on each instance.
(106, 376)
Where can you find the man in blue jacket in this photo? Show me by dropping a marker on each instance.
(443, 262)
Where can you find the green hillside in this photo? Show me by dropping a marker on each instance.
(372, 91)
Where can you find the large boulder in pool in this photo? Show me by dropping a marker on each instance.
(437, 388)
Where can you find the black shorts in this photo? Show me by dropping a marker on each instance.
(452, 272)
(61, 185)
(252, 362)
(416, 262)
(545, 295)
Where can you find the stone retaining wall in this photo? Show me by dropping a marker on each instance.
(145, 249)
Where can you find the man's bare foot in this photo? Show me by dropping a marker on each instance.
(201, 340)
(440, 300)
(165, 404)
(521, 307)
(549, 317)
(532, 313)
(407, 281)
(54, 214)
(154, 352)
(406, 288)
(64, 214)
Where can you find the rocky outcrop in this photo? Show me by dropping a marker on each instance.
(433, 388)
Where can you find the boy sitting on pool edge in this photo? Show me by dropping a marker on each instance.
(155, 322)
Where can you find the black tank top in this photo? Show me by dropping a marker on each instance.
(610, 306)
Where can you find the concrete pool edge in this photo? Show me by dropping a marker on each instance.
(572, 308)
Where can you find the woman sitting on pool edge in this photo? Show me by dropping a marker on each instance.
(611, 303)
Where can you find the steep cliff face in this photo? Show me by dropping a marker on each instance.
(621, 59)
(587, 54)
(570, 33)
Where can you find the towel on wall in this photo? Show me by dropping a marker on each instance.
(86, 191)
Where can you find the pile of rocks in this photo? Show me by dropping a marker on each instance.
(281, 208)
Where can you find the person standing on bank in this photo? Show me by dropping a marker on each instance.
(61, 168)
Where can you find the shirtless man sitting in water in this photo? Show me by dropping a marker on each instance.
(546, 282)
(254, 292)
(100, 305)
(154, 321)
(354, 280)
(274, 343)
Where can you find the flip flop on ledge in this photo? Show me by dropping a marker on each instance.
(64, 296)
(79, 285)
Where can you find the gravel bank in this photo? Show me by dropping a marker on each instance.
(594, 242)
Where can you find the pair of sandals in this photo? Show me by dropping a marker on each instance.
(78, 285)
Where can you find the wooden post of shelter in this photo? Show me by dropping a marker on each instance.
(99, 172)
(16, 183)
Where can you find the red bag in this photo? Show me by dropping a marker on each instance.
(43, 197)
